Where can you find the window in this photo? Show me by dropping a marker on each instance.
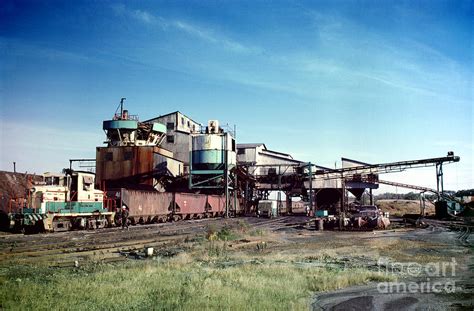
(109, 156)
(182, 120)
(241, 151)
(128, 155)
(170, 139)
(170, 126)
(233, 145)
(189, 124)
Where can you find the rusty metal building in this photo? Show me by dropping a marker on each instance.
(134, 157)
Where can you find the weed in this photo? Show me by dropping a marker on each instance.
(257, 232)
(211, 232)
(242, 226)
(181, 282)
(227, 234)
(216, 249)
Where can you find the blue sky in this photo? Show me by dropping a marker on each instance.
(377, 81)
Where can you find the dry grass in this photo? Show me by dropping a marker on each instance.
(180, 283)
(211, 275)
(401, 207)
(233, 269)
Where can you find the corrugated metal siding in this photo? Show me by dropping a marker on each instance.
(141, 162)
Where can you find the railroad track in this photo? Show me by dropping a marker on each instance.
(464, 230)
(66, 239)
(94, 253)
(67, 244)
(107, 244)
(271, 222)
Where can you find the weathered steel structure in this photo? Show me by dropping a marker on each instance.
(174, 155)
(133, 157)
(179, 130)
(212, 158)
(171, 168)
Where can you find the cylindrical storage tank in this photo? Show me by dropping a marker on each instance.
(210, 150)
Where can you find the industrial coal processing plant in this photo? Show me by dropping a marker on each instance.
(172, 168)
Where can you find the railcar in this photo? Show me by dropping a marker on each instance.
(153, 207)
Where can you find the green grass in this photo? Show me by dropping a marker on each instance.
(179, 283)
(209, 275)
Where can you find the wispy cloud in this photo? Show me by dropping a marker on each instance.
(193, 30)
(144, 16)
(140, 15)
(348, 50)
(203, 33)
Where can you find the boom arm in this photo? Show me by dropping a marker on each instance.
(384, 167)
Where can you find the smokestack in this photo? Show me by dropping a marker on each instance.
(14, 167)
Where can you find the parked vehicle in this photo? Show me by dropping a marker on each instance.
(60, 204)
(267, 208)
(153, 207)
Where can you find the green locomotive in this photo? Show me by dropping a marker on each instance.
(61, 203)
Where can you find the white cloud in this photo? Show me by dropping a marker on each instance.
(143, 16)
(347, 48)
(193, 30)
(202, 33)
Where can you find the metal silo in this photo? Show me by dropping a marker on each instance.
(213, 155)
(210, 151)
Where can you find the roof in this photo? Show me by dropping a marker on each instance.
(254, 145)
(277, 156)
(280, 153)
(319, 167)
(267, 152)
(354, 161)
(168, 114)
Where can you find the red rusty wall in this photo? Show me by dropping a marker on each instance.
(190, 203)
(144, 203)
(217, 203)
(119, 167)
